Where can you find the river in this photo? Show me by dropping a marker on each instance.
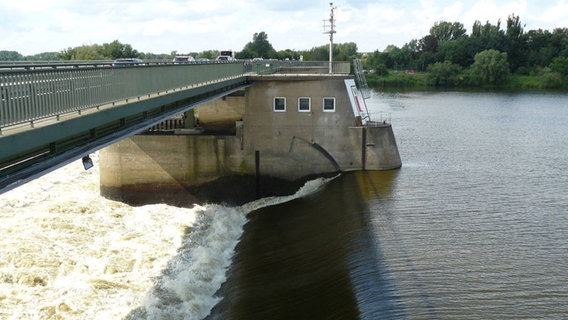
(473, 226)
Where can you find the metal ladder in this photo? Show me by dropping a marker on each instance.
(360, 79)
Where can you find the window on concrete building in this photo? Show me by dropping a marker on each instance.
(304, 104)
(329, 104)
(279, 104)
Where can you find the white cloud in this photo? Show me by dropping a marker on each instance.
(192, 25)
(492, 11)
(553, 16)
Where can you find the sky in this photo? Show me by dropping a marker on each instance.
(163, 26)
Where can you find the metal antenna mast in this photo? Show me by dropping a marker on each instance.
(331, 31)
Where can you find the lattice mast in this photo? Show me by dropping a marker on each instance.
(329, 28)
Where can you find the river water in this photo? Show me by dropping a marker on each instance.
(473, 226)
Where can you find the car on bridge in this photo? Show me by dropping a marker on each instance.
(126, 62)
(183, 59)
(202, 60)
(224, 59)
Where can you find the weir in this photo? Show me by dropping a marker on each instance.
(284, 128)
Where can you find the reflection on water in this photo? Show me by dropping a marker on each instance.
(314, 258)
(376, 184)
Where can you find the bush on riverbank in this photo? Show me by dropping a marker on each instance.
(542, 80)
(398, 79)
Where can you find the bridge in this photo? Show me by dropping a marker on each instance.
(55, 113)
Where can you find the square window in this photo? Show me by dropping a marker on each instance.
(279, 104)
(328, 104)
(304, 104)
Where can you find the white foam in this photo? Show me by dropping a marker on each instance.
(66, 252)
(187, 288)
(309, 187)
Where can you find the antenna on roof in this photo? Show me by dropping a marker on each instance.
(329, 28)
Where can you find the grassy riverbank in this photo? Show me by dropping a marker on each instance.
(420, 81)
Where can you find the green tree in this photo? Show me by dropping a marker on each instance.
(394, 57)
(6, 55)
(516, 41)
(116, 50)
(460, 51)
(107, 51)
(85, 52)
(528, 53)
(539, 50)
(447, 31)
(341, 52)
(550, 79)
(44, 56)
(490, 68)
(157, 56)
(399, 58)
(428, 49)
(444, 74)
(487, 36)
(559, 41)
(560, 65)
(320, 53)
(209, 54)
(258, 47)
(345, 51)
(288, 54)
(428, 44)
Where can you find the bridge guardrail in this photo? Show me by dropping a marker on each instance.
(31, 95)
(299, 67)
(61, 64)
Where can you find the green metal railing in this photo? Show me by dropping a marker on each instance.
(299, 67)
(30, 95)
(31, 92)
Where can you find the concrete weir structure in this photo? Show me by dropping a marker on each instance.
(283, 130)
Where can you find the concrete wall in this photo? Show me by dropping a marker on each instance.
(149, 168)
(381, 150)
(294, 144)
(221, 113)
(291, 145)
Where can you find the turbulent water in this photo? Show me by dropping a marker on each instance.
(473, 226)
(67, 253)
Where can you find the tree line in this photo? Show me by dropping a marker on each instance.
(489, 55)
(259, 47)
